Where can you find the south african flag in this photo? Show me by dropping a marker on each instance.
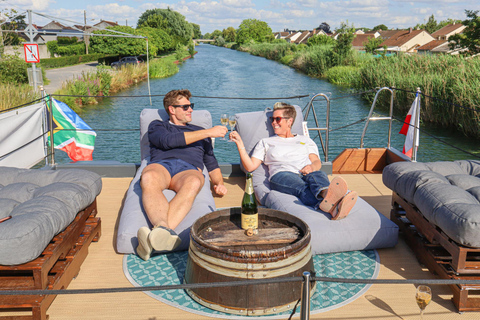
(70, 133)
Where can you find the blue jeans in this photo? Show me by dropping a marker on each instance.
(306, 188)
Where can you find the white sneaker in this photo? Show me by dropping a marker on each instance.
(163, 239)
(144, 249)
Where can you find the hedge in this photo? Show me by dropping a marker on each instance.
(70, 60)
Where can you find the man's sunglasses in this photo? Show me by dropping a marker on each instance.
(278, 119)
(184, 106)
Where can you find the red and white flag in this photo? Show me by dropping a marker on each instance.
(409, 126)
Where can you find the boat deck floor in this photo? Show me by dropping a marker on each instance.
(103, 269)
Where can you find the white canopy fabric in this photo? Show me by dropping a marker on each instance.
(22, 137)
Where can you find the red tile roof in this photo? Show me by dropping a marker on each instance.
(360, 39)
(447, 30)
(431, 45)
(400, 38)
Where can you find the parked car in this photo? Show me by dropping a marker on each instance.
(125, 61)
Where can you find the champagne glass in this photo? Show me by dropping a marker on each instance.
(423, 297)
(232, 121)
(224, 122)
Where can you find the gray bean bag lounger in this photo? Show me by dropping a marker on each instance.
(364, 228)
(447, 193)
(41, 203)
(133, 216)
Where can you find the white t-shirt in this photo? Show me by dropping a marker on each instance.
(285, 154)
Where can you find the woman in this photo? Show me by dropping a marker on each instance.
(294, 166)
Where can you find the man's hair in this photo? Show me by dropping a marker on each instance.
(288, 110)
(172, 97)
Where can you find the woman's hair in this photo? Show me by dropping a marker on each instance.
(172, 97)
(288, 110)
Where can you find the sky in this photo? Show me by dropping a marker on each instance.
(279, 14)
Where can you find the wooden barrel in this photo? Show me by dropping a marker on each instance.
(221, 251)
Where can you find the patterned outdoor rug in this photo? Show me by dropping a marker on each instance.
(169, 269)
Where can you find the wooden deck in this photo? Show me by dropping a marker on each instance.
(103, 269)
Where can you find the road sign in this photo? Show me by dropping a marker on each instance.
(31, 53)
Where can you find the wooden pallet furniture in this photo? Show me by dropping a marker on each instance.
(441, 255)
(54, 269)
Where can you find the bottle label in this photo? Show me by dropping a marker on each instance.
(249, 221)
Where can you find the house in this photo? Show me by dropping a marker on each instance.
(281, 35)
(387, 34)
(293, 36)
(406, 41)
(103, 24)
(54, 29)
(448, 31)
(439, 46)
(359, 41)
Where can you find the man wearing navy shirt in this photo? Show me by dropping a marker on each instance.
(178, 153)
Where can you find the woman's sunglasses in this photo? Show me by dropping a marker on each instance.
(184, 106)
(278, 119)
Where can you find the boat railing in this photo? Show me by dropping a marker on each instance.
(310, 108)
(372, 118)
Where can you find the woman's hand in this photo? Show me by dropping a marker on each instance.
(235, 137)
(307, 169)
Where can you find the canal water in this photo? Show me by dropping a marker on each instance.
(220, 72)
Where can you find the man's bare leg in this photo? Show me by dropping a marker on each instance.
(155, 179)
(187, 184)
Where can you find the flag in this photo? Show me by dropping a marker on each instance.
(70, 133)
(409, 126)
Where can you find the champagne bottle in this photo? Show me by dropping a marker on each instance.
(249, 206)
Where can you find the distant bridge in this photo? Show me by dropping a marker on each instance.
(203, 40)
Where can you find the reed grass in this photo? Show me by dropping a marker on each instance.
(163, 68)
(453, 80)
(13, 95)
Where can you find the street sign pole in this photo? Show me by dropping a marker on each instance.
(31, 32)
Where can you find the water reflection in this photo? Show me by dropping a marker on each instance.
(220, 72)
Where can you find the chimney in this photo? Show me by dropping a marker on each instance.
(410, 31)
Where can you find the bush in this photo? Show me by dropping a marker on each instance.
(13, 70)
(69, 60)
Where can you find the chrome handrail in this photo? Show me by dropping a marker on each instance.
(390, 118)
(317, 128)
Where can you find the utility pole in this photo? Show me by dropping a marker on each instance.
(86, 38)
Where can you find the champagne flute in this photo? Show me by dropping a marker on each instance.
(224, 122)
(423, 297)
(232, 121)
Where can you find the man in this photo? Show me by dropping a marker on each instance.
(178, 153)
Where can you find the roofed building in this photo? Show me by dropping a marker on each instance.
(407, 41)
(448, 31)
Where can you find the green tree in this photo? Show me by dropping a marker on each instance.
(343, 47)
(176, 25)
(372, 44)
(320, 39)
(253, 29)
(159, 40)
(431, 25)
(14, 22)
(197, 34)
(470, 38)
(229, 34)
(380, 27)
(207, 36)
(215, 34)
(118, 45)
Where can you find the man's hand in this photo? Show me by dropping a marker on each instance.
(220, 189)
(217, 131)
